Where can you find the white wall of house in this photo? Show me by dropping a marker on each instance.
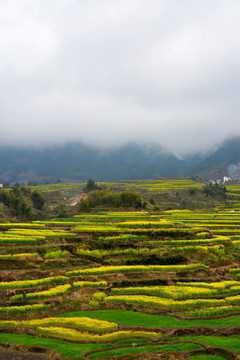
(226, 179)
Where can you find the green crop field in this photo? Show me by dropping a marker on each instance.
(125, 283)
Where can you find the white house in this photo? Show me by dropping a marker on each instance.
(226, 179)
(1, 186)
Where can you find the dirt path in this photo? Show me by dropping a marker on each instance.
(15, 355)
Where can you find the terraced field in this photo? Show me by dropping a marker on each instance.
(131, 285)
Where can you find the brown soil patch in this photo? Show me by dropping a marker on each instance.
(15, 355)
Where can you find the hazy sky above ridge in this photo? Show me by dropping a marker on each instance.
(108, 72)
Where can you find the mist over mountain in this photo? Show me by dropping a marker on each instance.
(79, 162)
(221, 161)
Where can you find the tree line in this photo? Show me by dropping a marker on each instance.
(107, 197)
(21, 201)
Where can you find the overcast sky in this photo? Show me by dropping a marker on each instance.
(107, 72)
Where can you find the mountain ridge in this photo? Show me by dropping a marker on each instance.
(77, 161)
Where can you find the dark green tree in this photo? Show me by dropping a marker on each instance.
(130, 198)
(91, 185)
(24, 207)
(84, 205)
(37, 199)
(215, 190)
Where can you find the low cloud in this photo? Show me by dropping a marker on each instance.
(234, 171)
(109, 72)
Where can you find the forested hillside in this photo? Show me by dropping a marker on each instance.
(79, 162)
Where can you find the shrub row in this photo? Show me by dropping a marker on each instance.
(214, 285)
(14, 256)
(165, 303)
(122, 213)
(226, 231)
(84, 284)
(212, 311)
(20, 225)
(180, 292)
(172, 304)
(71, 334)
(133, 268)
(83, 323)
(20, 240)
(96, 228)
(57, 222)
(217, 239)
(23, 309)
(219, 226)
(46, 233)
(217, 249)
(123, 237)
(101, 253)
(57, 254)
(234, 271)
(170, 292)
(144, 224)
(167, 231)
(21, 284)
(214, 222)
(57, 291)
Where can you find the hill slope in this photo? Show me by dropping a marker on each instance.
(221, 162)
(79, 162)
